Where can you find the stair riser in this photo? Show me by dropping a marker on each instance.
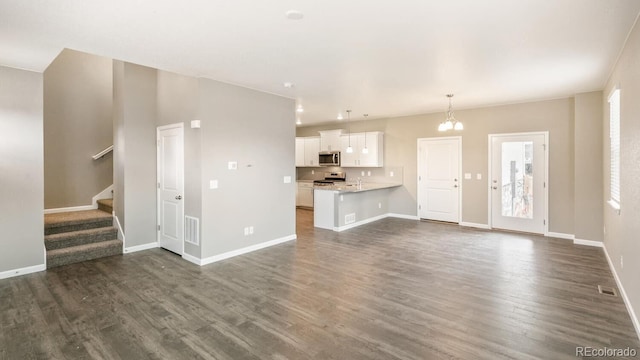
(105, 208)
(72, 258)
(81, 240)
(76, 227)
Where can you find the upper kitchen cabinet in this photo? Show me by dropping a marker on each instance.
(330, 140)
(307, 149)
(373, 156)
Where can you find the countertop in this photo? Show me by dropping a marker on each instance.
(352, 187)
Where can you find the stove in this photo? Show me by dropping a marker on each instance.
(331, 179)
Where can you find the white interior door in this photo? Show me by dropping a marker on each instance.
(518, 182)
(171, 187)
(439, 179)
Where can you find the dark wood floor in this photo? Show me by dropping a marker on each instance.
(393, 289)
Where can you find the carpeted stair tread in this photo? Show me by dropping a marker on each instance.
(79, 253)
(105, 205)
(76, 220)
(79, 237)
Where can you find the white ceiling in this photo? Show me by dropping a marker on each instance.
(385, 58)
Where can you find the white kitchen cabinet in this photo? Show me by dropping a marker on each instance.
(307, 149)
(330, 140)
(373, 141)
(304, 194)
(299, 151)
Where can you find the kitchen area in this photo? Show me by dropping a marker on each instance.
(342, 178)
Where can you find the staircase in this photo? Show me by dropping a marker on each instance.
(76, 236)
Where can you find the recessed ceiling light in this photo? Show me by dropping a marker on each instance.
(298, 122)
(300, 109)
(340, 116)
(294, 15)
(288, 85)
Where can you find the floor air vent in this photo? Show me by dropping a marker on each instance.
(605, 290)
(350, 218)
(192, 230)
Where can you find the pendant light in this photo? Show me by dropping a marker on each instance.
(365, 150)
(450, 123)
(349, 148)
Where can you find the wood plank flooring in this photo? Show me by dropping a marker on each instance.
(392, 289)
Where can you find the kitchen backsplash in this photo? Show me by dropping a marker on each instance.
(374, 175)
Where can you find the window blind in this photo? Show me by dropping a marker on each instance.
(614, 136)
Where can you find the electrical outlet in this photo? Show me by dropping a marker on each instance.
(479, 176)
(213, 184)
(621, 262)
(232, 165)
(362, 173)
(246, 231)
(379, 205)
(250, 230)
(369, 173)
(313, 172)
(287, 179)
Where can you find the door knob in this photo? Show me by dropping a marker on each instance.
(495, 188)
(455, 186)
(179, 197)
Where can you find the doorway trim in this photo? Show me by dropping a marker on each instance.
(419, 192)
(546, 175)
(158, 214)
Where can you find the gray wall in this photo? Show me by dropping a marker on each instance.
(135, 151)
(401, 134)
(118, 141)
(588, 209)
(77, 125)
(178, 102)
(621, 235)
(258, 131)
(21, 164)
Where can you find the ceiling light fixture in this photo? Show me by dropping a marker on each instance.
(450, 123)
(365, 150)
(349, 148)
(339, 116)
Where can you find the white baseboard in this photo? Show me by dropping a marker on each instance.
(359, 223)
(475, 225)
(104, 194)
(72, 208)
(403, 216)
(560, 235)
(192, 259)
(22, 271)
(627, 303)
(142, 247)
(242, 251)
(588, 242)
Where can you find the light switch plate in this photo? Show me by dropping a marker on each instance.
(391, 173)
(213, 184)
(479, 176)
(195, 124)
(287, 179)
(467, 176)
(233, 165)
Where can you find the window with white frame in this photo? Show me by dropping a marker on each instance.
(614, 136)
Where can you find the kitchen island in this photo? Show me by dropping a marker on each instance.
(344, 206)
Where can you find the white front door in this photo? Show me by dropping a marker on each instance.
(171, 187)
(518, 182)
(439, 179)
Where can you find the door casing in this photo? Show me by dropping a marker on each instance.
(420, 190)
(158, 175)
(546, 176)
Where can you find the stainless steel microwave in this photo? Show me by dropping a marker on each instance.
(329, 158)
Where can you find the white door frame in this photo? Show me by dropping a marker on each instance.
(158, 215)
(546, 176)
(459, 138)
